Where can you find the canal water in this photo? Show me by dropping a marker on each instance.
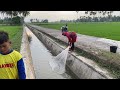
(40, 58)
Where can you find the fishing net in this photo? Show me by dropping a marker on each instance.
(59, 62)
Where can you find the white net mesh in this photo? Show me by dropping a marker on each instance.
(59, 62)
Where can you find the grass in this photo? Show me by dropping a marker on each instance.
(112, 63)
(15, 34)
(109, 30)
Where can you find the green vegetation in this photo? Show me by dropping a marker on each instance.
(15, 33)
(110, 30)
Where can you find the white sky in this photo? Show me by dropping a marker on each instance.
(52, 15)
(57, 15)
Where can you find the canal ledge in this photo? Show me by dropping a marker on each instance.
(26, 53)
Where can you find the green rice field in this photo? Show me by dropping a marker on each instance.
(109, 30)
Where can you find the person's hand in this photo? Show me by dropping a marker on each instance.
(69, 46)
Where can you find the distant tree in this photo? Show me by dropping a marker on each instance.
(45, 21)
(31, 20)
(108, 13)
(77, 16)
(37, 21)
(12, 14)
(16, 20)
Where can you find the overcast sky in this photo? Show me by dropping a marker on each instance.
(52, 15)
(57, 15)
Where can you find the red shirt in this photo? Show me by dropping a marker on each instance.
(71, 36)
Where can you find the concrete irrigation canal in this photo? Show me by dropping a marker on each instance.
(41, 56)
(42, 47)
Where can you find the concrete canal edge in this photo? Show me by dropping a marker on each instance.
(82, 67)
(27, 58)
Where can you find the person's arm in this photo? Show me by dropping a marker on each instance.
(21, 69)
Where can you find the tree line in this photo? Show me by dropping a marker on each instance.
(94, 19)
(13, 17)
(106, 16)
(38, 21)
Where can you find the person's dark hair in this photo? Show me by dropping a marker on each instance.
(3, 37)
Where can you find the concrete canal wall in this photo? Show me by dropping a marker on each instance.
(26, 53)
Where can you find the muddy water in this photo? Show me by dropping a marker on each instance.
(41, 57)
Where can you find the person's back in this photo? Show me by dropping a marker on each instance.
(11, 62)
(66, 28)
(62, 28)
(72, 36)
